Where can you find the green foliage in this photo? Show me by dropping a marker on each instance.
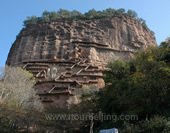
(45, 16)
(132, 13)
(64, 13)
(156, 124)
(31, 20)
(142, 21)
(109, 11)
(121, 10)
(91, 14)
(19, 120)
(140, 86)
(119, 69)
(166, 53)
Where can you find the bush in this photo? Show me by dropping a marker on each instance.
(157, 124)
(17, 88)
(139, 87)
(91, 14)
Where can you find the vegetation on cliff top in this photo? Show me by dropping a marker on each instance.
(91, 14)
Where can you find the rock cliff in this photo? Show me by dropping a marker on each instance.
(67, 54)
(102, 39)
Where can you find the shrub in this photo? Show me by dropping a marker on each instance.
(91, 14)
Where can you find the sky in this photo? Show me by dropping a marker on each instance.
(14, 12)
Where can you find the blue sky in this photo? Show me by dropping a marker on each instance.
(14, 12)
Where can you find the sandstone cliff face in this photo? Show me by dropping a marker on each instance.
(102, 40)
(67, 55)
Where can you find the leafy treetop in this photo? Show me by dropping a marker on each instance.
(76, 15)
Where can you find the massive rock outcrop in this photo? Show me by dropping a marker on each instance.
(67, 54)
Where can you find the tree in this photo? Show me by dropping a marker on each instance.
(121, 10)
(141, 20)
(139, 87)
(132, 13)
(46, 16)
(91, 14)
(166, 45)
(168, 39)
(53, 16)
(64, 13)
(17, 88)
(31, 20)
(109, 12)
(20, 108)
(157, 124)
(46, 13)
(77, 14)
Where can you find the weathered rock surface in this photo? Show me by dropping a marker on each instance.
(68, 54)
(103, 40)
